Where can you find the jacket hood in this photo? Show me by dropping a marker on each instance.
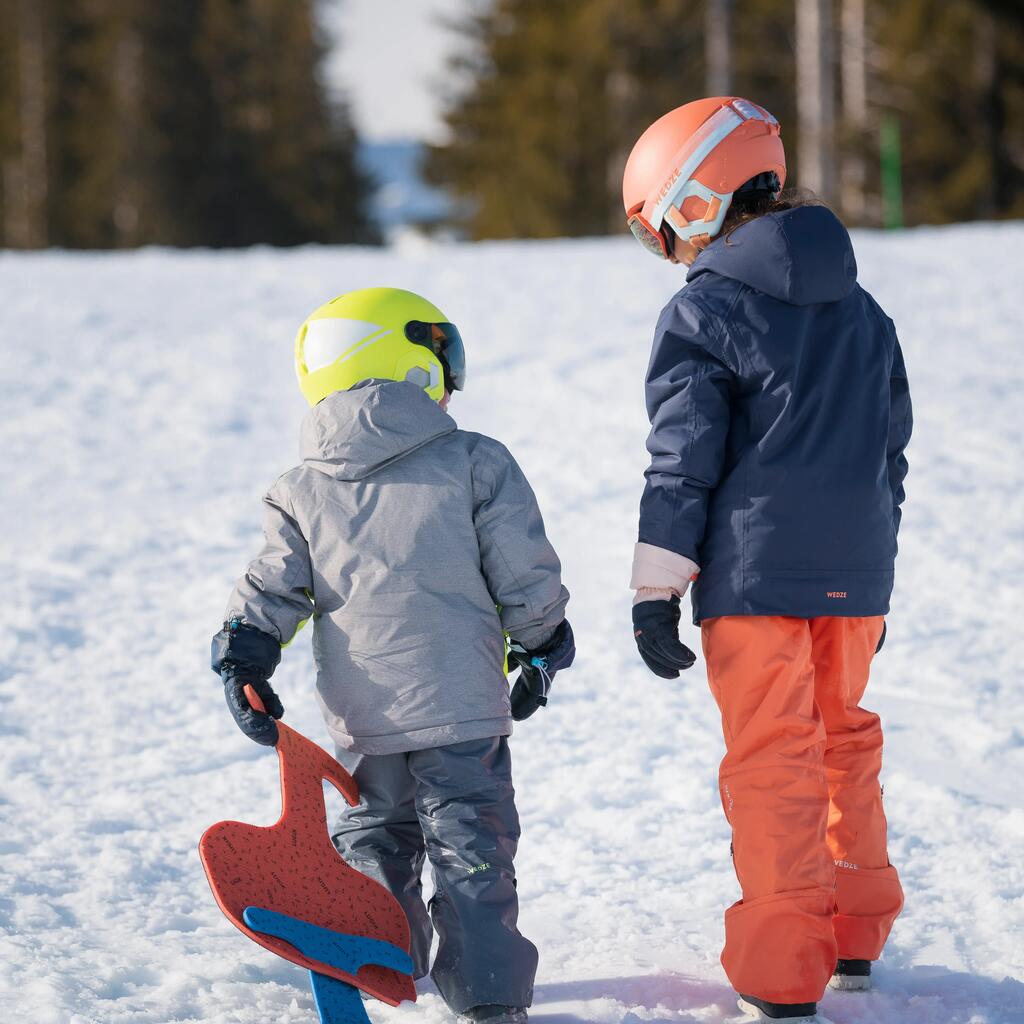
(801, 256)
(352, 434)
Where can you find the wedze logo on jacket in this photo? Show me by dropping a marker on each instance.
(780, 411)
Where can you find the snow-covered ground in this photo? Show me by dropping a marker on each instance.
(148, 399)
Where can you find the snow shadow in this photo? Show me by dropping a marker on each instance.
(924, 995)
(929, 995)
(613, 999)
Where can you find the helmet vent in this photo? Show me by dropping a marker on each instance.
(422, 379)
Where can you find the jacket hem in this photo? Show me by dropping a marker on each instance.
(812, 595)
(421, 739)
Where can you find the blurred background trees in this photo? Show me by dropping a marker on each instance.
(197, 122)
(207, 122)
(895, 113)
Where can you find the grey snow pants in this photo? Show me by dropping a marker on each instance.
(456, 806)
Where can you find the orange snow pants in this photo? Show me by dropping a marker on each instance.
(799, 785)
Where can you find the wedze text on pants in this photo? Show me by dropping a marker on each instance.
(799, 785)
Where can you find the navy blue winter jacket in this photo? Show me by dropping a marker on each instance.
(780, 410)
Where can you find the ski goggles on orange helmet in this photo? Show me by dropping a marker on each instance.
(665, 207)
(652, 240)
(445, 342)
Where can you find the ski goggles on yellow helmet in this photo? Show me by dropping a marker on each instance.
(445, 342)
(705, 151)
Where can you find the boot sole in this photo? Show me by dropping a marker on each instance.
(850, 982)
(755, 1014)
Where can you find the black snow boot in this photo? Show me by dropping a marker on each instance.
(762, 1010)
(493, 1014)
(851, 976)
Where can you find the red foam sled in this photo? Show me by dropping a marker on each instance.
(293, 868)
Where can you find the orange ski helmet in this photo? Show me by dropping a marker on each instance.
(684, 170)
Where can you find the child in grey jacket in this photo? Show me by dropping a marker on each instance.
(416, 548)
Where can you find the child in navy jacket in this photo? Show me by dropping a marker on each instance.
(780, 412)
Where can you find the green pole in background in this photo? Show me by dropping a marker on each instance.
(892, 172)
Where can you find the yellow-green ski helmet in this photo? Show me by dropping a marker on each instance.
(383, 333)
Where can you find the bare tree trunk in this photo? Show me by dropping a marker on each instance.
(622, 95)
(815, 97)
(855, 109)
(27, 177)
(128, 94)
(16, 229)
(718, 47)
(990, 75)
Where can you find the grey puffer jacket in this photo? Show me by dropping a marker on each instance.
(402, 537)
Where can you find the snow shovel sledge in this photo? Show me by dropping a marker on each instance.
(287, 888)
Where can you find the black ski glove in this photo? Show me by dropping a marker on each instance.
(656, 630)
(537, 670)
(244, 655)
(881, 639)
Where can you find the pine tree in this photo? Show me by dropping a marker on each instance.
(200, 122)
(558, 92)
(952, 75)
(526, 137)
(283, 166)
(538, 141)
(102, 195)
(26, 78)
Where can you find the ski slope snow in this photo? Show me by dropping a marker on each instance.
(148, 400)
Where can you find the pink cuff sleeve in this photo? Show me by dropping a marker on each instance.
(659, 575)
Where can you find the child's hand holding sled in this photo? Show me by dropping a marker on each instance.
(246, 656)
